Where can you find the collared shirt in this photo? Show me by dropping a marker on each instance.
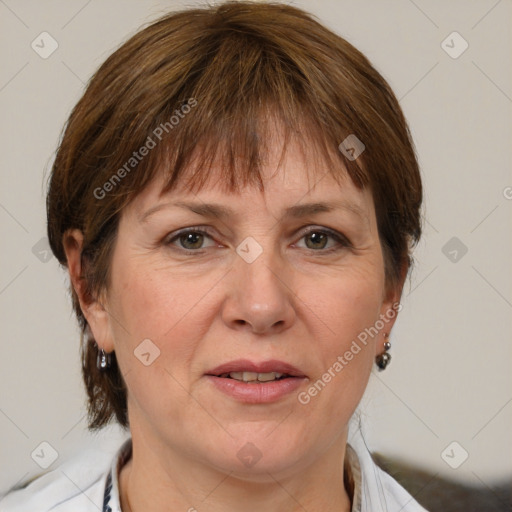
(89, 483)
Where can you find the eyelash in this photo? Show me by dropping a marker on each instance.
(342, 240)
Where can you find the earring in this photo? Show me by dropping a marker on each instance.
(103, 361)
(382, 360)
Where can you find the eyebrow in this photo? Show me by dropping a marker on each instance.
(218, 211)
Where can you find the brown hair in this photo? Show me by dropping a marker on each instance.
(205, 83)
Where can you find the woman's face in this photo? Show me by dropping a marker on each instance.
(275, 283)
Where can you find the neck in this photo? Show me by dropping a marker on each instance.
(157, 480)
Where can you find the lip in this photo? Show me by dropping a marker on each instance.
(244, 365)
(256, 392)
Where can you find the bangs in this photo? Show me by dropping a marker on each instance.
(244, 93)
(234, 154)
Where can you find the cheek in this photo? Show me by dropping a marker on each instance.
(345, 311)
(152, 302)
(152, 305)
(346, 303)
(167, 308)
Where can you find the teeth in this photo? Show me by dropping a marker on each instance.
(253, 376)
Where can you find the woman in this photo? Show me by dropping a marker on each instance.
(235, 197)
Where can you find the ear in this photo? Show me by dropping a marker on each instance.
(94, 309)
(390, 308)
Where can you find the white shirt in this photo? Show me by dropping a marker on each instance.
(89, 483)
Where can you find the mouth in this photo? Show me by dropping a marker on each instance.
(251, 382)
(248, 371)
(254, 376)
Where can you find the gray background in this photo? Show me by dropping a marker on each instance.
(450, 378)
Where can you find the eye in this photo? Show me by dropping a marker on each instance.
(189, 239)
(318, 239)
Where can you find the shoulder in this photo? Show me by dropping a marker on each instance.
(75, 486)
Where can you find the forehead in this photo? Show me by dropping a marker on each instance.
(291, 175)
(276, 155)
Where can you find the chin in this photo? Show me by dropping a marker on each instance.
(258, 457)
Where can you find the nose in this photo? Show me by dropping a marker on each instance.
(260, 297)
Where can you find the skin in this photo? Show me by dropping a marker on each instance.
(296, 302)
